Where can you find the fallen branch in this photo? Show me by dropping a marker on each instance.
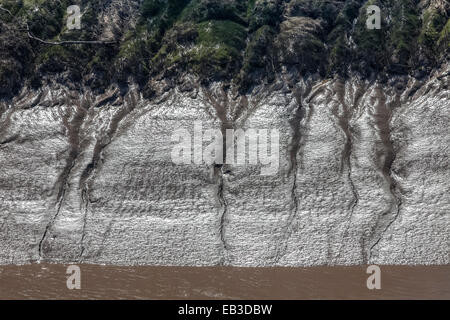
(56, 43)
(6, 10)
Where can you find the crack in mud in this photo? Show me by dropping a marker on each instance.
(295, 147)
(73, 132)
(88, 175)
(86, 201)
(223, 204)
(221, 108)
(344, 123)
(386, 158)
(126, 123)
(240, 108)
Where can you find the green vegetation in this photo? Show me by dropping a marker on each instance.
(430, 35)
(263, 12)
(340, 53)
(217, 47)
(226, 33)
(142, 46)
(371, 50)
(257, 48)
(405, 28)
(444, 37)
(234, 40)
(205, 10)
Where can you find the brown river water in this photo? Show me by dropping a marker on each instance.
(48, 281)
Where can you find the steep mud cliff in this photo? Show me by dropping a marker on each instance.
(86, 131)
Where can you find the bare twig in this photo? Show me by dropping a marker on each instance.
(31, 36)
(57, 43)
(7, 11)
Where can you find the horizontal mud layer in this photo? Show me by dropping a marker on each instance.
(48, 281)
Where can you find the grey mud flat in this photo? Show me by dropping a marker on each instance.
(363, 177)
